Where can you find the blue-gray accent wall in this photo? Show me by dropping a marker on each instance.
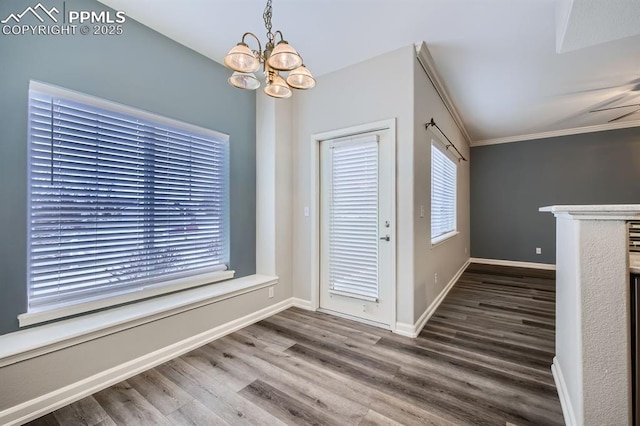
(140, 68)
(509, 182)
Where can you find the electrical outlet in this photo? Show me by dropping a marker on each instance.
(436, 278)
(421, 211)
(270, 292)
(538, 250)
(465, 249)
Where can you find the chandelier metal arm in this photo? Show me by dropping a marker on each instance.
(259, 51)
(276, 33)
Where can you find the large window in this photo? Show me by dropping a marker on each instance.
(121, 202)
(443, 194)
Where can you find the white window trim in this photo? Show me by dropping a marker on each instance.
(120, 108)
(26, 344)
(36, 317)
(443, 148)
(442, 238)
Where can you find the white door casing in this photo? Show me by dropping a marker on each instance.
(357, 229)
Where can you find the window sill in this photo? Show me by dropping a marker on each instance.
(26, 344)
(32, 318)
(442, 238)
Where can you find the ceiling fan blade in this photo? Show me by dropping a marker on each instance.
(632, 85)
(615, 107)
(625, 115)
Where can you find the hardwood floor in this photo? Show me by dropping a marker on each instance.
(483, 359)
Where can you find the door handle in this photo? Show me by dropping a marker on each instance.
(386, 238)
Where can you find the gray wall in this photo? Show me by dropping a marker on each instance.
(140, 68)
(509, 182)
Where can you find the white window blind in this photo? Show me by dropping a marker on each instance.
(443, 193)
(119, 200)
(353, 222)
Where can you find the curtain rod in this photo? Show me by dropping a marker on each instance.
(433, 123)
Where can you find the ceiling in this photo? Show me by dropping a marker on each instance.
(497, 58)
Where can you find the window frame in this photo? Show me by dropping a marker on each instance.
(443, 149)
(159, 286)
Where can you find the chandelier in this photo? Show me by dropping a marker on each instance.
(276, 59)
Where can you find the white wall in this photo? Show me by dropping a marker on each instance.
(392, 85)
(448, 257)
(274, 189)
(569, 314)
(377, 89)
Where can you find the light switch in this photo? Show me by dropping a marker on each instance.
(306, 211)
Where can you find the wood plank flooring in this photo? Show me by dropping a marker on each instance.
(483, 359)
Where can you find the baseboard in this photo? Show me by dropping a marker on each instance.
(413, 330)
(563, 394)
(514, 263)
(405, 329)
(302, 304)
(47, 403)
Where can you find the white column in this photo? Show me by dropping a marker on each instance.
(592, 366)
(274, 187)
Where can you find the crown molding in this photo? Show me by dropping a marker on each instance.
(557, 133)
(426, 60)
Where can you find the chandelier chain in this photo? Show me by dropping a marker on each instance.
(267, 20)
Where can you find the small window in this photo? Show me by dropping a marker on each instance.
(443, 193)
(120, 201)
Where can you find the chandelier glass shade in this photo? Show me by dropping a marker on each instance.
(301, 78)
(244, 80)
(284, 57)
(242, 59)
(277, 88)
(275, 59)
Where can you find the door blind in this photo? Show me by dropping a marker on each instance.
(119, 203)
(353, 221)
(443, 193)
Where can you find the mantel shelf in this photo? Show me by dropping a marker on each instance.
(596, 212)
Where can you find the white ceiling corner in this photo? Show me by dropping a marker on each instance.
(584, 23)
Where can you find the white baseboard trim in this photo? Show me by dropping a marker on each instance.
(563, 394)
(515, 264)
(302, 304)
(405, 329)
(413, 330)
(47, 403)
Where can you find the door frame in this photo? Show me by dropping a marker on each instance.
(314, 208)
